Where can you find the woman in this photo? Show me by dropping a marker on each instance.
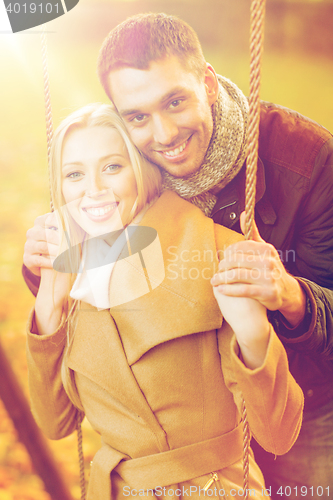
(130, 334)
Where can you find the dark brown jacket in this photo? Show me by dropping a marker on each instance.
(294, 212)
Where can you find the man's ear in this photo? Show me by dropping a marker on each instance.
(211, 84)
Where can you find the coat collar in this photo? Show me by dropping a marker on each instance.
(168, 292)
(231, 199)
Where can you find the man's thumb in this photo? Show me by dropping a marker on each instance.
(255, 233)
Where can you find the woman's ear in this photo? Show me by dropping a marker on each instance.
(211, 84)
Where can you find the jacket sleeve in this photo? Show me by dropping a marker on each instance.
(273, 399)
(313, 265)
(53, 411)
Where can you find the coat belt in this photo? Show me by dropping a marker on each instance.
(182, 464)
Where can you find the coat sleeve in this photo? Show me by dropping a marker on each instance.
(32, 281)
(274, 401)
(53, 411)
(313, 265)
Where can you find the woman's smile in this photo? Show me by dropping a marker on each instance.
(100, 213)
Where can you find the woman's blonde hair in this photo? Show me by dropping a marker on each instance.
(148, 180)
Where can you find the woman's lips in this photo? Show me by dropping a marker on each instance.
(101, 213)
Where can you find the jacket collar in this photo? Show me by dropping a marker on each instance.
(231, 200)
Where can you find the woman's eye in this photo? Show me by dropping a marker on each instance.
(113, 168)
(74, 175)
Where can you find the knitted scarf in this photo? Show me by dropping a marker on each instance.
(225, 154)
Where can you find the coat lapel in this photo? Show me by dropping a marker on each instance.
(165, 292)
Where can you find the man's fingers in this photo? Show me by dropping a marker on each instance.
(241, 290)
(252, 264)
(249, 249)
(255, 232)
(241, 275)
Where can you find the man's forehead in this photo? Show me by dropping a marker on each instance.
(133, 87)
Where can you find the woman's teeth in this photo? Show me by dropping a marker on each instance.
(97, 212)
(176, 151)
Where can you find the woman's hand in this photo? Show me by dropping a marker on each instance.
(42, 244)
(234, 286)
(248, 319)
(51, 300)
(54, 287)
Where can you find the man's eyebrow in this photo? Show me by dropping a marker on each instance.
(164, 98)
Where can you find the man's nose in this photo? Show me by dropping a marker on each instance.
(165, 130)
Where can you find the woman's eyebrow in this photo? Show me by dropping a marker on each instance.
(102, 158)
(71, 163)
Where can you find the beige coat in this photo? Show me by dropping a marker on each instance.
(149, 374)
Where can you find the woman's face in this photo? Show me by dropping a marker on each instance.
(98, 182)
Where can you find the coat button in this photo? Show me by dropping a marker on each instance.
(309, 393)
(232, 216)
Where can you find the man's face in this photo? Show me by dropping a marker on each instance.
(167, 112)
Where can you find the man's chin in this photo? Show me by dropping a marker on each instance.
(179, 170)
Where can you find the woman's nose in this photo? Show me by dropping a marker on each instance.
(95, 185)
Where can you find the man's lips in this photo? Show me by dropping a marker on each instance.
(176, 153)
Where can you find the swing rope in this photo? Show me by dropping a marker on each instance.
(256, 48)
(49, 137)
(47, 102)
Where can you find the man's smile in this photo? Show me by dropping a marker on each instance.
(176, 152)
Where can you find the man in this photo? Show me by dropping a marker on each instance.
(193, 125)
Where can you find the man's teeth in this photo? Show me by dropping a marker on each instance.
(176, 151)
(97, 212)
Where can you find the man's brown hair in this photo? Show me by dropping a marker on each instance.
(143, 38)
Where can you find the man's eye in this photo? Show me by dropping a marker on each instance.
(139, 118)
(175, 103)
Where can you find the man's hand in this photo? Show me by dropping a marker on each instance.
(253, 269)
(42, 244)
